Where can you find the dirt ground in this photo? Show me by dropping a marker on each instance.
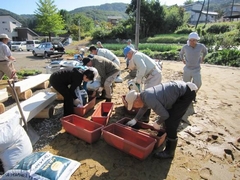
(209, 134)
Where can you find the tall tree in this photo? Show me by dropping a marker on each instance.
(151, 16)
(67, 19)
(48, 18)
(174, 18)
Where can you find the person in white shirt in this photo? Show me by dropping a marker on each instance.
(105, 53)
(148, 73)
(6, 59)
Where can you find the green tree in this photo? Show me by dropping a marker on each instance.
(86, 26)
(48, 18)
(66, 16)
(151, 16)
(174, 17)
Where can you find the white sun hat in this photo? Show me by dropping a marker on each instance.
(193, 35)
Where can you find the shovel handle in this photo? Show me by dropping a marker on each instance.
(12, 86)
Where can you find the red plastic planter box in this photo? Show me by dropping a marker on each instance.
(134, 109)
(82, 128)
(132, 142)
(160, 135)
(81, 111)
(102, 113)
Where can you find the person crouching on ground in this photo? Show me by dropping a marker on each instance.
(65, 82)
(107, 70)
(148, 72)
(6, 59)
(168, 100)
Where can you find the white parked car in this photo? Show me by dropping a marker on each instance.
(18, 46)
(31, 44)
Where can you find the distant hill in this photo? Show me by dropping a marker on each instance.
(15, 16)
(101, 12)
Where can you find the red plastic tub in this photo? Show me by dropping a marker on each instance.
(102, 113)
(82, 128)
(81, 111)
(134, 109)
(132, 142)
(158, 135)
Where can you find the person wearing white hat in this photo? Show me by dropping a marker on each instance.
(148, 73)
(99, 44)
(192, 54)
(129, 43)
(168, 100)
(6, 59)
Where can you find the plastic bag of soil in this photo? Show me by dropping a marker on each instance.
(42, 166)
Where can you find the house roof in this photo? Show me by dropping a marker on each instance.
(25, 28)
(11, 17)
(205, 12)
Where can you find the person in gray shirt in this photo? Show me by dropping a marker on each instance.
(192, 54)
(168, 100)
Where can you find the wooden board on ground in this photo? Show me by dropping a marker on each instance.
(32, 106)
(3, 95)
(30, 83)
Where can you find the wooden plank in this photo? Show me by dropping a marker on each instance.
(3, 95)
(46, 113)
(2, 108)
(29, 83)
(32, 106)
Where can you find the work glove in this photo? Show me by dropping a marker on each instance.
(131, 123)
(156, 126)
(76, 102)
(100, 89)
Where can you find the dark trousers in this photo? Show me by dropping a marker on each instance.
(177, 111)
(65, 92)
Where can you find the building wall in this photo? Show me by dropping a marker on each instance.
(7, 26)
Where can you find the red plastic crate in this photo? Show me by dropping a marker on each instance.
(134, 109)
(102, 113)
(161, 134)
(81, 111)
(132, 142)
(82, 128)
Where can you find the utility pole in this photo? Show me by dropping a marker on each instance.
(137, 24)
(79, 36)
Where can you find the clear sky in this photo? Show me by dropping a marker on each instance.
(29, 6)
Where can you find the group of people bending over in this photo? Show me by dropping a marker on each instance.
(169, 100)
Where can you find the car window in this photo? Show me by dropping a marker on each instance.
(30, 42)
(16, 43)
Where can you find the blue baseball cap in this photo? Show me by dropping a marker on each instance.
(126, 50)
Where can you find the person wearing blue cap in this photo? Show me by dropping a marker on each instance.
(148, 73)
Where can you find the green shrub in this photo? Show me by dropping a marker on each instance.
(218, 28)
(184, 30)
(224, 57)
(23, 73)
